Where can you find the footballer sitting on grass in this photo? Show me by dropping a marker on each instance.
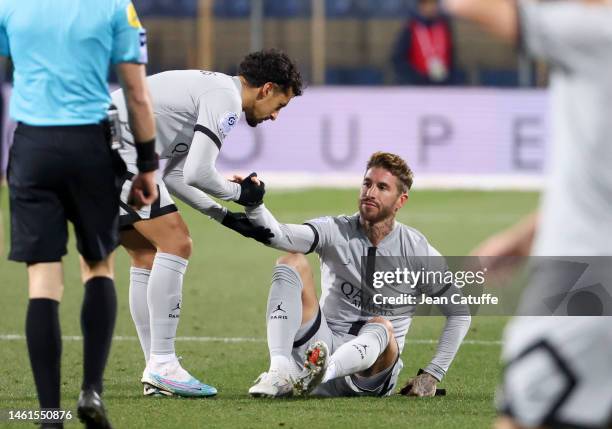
(350, 348)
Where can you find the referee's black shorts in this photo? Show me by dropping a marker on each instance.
(57, 174)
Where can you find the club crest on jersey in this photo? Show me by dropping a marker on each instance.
(226, 123)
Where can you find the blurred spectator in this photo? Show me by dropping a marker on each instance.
(424, 51)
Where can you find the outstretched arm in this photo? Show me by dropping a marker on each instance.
(195, 198)
(514, 241)
(287, 237)
(567, 33)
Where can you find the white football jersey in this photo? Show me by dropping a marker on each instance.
(345, 251)
(185, 101)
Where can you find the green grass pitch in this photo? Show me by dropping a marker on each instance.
(224, 296)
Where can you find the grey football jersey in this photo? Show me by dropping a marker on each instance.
(185, 100)
(576, 39)
(343, 249)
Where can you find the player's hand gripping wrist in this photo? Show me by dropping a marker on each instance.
(252, 191)
(241, 224)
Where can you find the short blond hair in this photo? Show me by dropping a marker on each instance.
(395, 165)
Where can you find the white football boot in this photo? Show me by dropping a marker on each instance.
(272, 384)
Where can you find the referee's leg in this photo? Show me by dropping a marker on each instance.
(38, 238)
(92, 205)
(98, 314)
(43, 334)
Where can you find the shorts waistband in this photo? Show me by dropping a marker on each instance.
(66, 128)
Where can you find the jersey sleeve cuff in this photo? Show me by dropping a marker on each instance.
(315, 243)
(217, 213)
(435, 371)
(209, 133)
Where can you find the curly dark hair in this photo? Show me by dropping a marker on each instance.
(274, 66)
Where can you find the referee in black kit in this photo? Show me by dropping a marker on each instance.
(62, 167)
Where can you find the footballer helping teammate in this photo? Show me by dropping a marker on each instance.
(195, 111)
(557, 371)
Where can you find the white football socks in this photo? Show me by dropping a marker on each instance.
(284, 366)
(168, 366)
(284, 316)
(139, 309)
(164, 300)
(358, 354)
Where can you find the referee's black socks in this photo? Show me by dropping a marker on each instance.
(44, 340)
(97, 323)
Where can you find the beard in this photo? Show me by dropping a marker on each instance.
(375, 215)
(251, 120)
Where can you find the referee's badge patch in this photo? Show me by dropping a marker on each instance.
(132, 16)
(226, 123)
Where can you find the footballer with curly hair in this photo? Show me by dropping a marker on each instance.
(195, 111)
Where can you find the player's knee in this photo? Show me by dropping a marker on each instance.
(181, 245)
(54, 291)
(294, 260)
(382, 321)
(185, 247)
(91, 269)
(297, 261)
(143, 259)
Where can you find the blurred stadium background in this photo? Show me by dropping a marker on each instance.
(337, 42)
(488, 131)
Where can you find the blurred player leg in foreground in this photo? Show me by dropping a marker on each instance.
(558, 371)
